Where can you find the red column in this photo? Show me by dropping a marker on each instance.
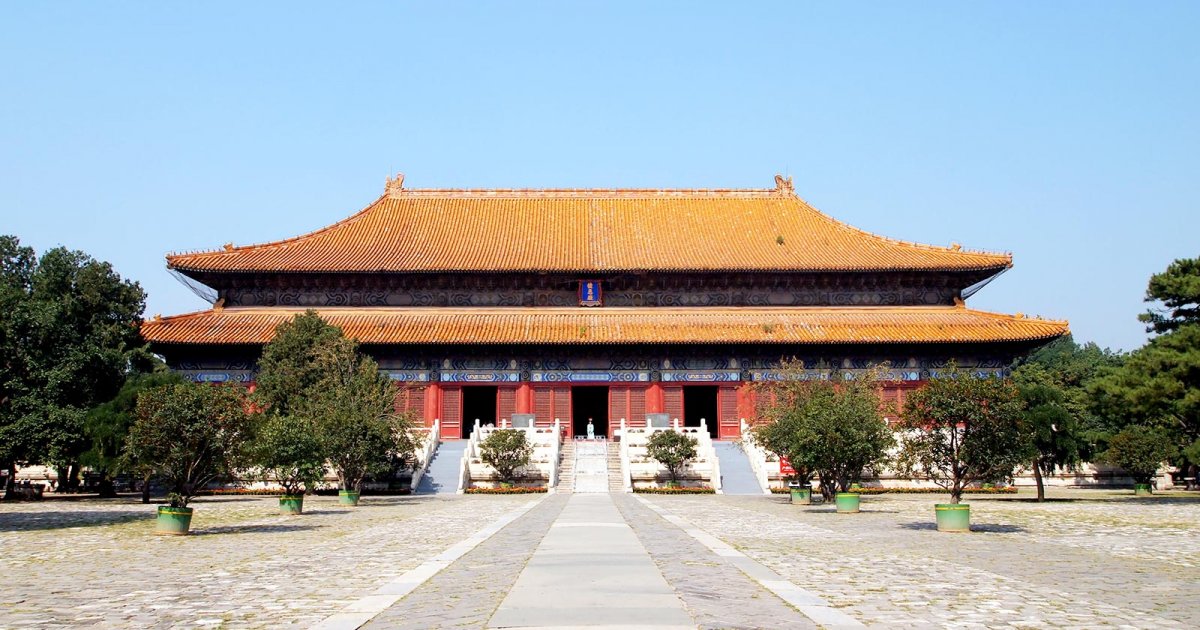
(654, 398)
(433, 403)
(745, 403)
(524, 398)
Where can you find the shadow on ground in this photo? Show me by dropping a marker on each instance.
(986, 528)
(31, 521)
(251, 529)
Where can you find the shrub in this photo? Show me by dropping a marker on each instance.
(673, 450)
(1139, 451)
(188, 435)
(506, 450)
(961, 429)
(289, 449)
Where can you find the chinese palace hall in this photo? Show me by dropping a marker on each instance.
(602, 304)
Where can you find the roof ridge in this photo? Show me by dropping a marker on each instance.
(230, 249)
(954, 248)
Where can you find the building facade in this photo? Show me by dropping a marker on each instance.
(599, 304)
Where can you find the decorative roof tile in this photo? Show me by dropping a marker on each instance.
(435, 230)
(754, 325)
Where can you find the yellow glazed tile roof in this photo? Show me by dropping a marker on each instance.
(569, 325)
(420, 230)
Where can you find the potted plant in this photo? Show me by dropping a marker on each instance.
(188, 435)
(961, 429)
(361, 431)
(785, 435)
(834, 428)
(506, 451)
(1139, 451)
(289, 452)
(673, 450)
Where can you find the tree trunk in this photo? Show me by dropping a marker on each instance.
(1037, 475)
(146, 489)
(10, 484)
(107, 490)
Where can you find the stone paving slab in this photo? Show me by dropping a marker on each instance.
(468, 592)
(715, 592)
(591, 570)
(96, 563)
(1099, 560)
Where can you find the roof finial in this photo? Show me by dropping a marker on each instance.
(784, 184)
(394, 185)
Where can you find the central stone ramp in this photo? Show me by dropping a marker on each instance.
(591, 466)
(591, 570)
(737, 477)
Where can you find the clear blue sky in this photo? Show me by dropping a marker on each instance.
(1066, 133)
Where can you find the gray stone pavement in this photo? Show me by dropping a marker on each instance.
(716, 593)
(1092, 559)
(468, 592)
(1095, 559)
(590, 569)
(97, 564)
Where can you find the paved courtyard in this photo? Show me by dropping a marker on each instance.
(1088, 559)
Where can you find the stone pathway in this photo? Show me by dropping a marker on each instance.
(1093, 559)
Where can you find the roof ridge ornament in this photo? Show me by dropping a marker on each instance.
(394, 185)
(784, 185)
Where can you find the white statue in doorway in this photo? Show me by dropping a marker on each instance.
(591, 430)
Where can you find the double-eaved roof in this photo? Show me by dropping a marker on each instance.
(596, 231)
(616, 325)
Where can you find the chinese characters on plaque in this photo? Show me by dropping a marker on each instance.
(590, 293)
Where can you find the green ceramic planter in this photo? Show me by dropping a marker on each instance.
(291, 504)
(173, 521)
(347, 497)
(1142, 489)
(801, 496)
(847, 503)
(953, 517)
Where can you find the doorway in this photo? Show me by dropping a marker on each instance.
(478, 402)
(700, 401)
(589, 402)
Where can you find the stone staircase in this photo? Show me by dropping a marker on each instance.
(591, 467)
(616, 483)
(737, 477)
(442, 475)
(566, 468)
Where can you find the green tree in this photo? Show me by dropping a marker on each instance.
(290, 367)
(835, 428)
(961, 429)
(1051, 431)
(107, 426)
(1140, 451)
(68, 333)
(289, 450)
(353, 406)
(1071, 368)
(673, 450)
(506, 450)
(1157, 386)
(189, 435)
(1178, 290)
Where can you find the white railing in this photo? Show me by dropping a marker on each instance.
(757, 456)
(623, 450)
(546, 451)
(642, 467)
(425, 453)
(556, 454)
